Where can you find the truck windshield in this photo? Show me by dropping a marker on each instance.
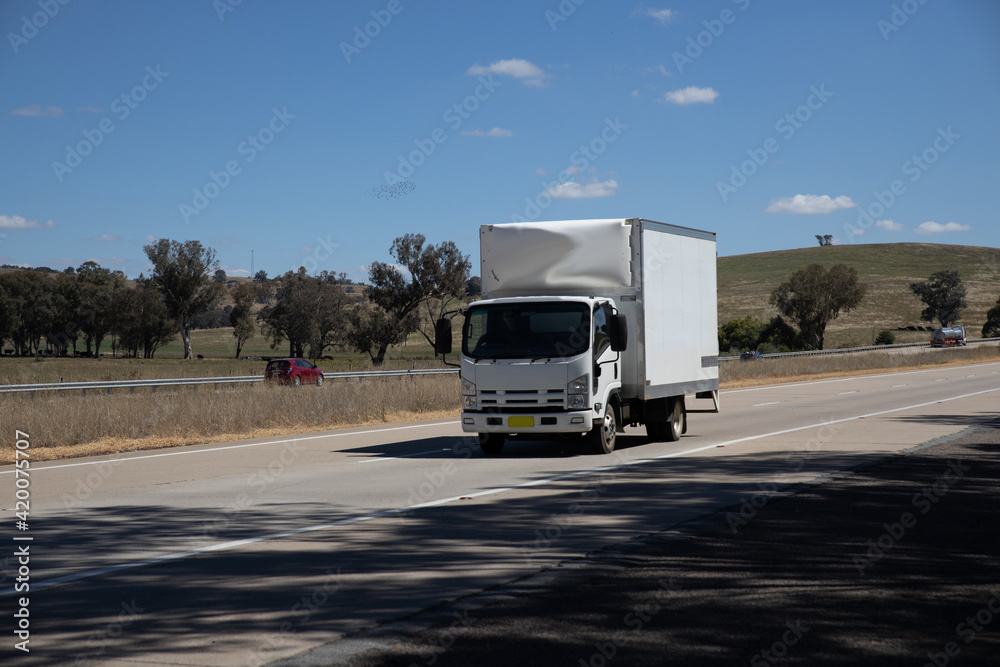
(534, 329)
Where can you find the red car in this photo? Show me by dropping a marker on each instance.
(295, 371)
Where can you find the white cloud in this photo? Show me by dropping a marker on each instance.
(691, 95)
(149, 239)
(659, 68)
(17, 222)
(572, 190)
(529, 73)
(855, 231)
(809, 204)
(634, 93)
(573, 169)
(664, 16)
(103, 238)
(233, 272)
(38, 110)
(937, 227)
(889, 225)
(495, 132)
(541, 172)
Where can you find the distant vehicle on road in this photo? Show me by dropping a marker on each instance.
(948, 336)
(293, 371)
(751, 354)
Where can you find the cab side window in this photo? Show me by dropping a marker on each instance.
(602, 339)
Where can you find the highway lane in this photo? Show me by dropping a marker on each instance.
(252, 551)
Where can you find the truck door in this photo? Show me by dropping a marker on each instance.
(606, 362)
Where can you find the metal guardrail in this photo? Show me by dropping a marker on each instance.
(846, 350)
(108, 385)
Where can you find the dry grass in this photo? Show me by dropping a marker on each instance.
(736, 374)
(74, 425)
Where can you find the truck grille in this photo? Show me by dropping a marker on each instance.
(522, 398)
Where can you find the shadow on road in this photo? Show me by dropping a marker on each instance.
(739, 580)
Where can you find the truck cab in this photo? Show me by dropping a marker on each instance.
(542, 365)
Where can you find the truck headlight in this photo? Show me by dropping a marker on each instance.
(577, 391)
(469, 401)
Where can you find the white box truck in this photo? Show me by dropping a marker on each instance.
(587, 326)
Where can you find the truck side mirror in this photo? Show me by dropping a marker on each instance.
(618, 332)
(442, 336)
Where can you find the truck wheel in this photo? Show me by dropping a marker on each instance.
(602, 436)
(491, 443)
(677, 424)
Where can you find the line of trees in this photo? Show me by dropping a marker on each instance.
(85, 307)
(91, 304)
(813, 297)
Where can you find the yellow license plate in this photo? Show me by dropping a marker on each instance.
(520, 422)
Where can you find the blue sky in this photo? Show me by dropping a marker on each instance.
(314, 133)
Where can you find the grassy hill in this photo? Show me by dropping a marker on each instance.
(746, 282)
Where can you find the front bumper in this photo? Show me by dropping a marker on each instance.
(579, 421)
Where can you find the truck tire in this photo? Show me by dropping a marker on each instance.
(677, 423)
(491, 443)
(672, 428)
(602, 436)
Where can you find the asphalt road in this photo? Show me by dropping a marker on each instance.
(250, 552)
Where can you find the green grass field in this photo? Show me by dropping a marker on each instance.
(746, 282)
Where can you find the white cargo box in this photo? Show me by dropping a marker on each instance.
(661, 276)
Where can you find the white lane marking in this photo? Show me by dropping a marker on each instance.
(846, 379)
(899, 385)
(401, 456)
(940, 380)
(757, 405)
(220, 449)
(848, 392)
(222, 546)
